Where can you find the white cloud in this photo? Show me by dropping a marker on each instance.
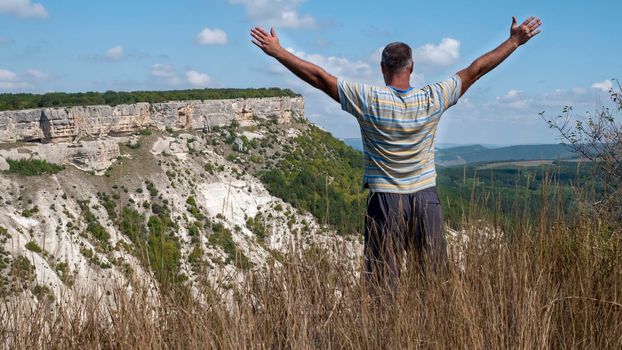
(165, 72)
(10, 80)
(22, 9)
(7, 75)
(37, 74)
(212, 37)
(114, 53)
(429, 57)
(512, 99)
(338, 66)
(291, 19)
(603, 86)
(443, 54)
(511, 95)
(278, 13)
(195, 78)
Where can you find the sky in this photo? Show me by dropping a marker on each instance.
(77, 45)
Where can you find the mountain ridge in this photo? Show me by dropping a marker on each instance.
(452, 155)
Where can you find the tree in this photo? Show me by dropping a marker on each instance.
(598, 138)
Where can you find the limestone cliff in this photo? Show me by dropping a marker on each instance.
(199, 191)
(71, 123)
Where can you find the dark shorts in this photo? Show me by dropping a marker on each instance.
(403, 223)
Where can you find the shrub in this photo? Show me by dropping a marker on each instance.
(598, 138)
(194, 209)
(32, 167)
(145, 132)
(22, 269)
(195, 256)
(33, 247)
(256, 226)
(153, 192)
(30, 212)
(109, 204)
(92, 224)
(222, 237)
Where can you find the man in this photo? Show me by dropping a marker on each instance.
(398, 127)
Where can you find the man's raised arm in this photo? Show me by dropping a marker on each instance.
(519, 34)
(307, 71)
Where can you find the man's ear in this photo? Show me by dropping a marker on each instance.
(412, 67)
(382, 68)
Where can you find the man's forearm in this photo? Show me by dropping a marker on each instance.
(307, 71)
(492, 59)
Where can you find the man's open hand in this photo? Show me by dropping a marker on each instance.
(268, 42)
(521, 34)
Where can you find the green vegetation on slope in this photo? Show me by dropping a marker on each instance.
(113, 98)
(499, 194)
(323, 176)
(222, 237)
(32, 167)
(93, 226)
(154, 243)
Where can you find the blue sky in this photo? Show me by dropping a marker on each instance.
(76, 45)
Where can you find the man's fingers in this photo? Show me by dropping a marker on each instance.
(258, 37)
(535, 24)
(263, 31)
(514, 21)
(259, 32)
(535, 33)
(273, 32)
(528, 20)
(257, 43)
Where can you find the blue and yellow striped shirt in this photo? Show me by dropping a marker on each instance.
(398, 128)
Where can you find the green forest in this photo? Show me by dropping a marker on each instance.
(510, 194)
(323, 176)
(62, 99)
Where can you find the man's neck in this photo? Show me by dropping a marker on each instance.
(400, 82)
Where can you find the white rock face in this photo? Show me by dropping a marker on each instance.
(95, 155)
(234, 199)
(3, 164)
(72, 123)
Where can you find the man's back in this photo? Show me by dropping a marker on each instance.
(398, 129)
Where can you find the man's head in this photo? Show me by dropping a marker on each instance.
(397, 58)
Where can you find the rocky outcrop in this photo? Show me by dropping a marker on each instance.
(96, 155)
(71, 123)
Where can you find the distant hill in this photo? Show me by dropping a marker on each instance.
(448, 155)
(481, 154)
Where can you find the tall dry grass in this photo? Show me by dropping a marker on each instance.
(547, 285)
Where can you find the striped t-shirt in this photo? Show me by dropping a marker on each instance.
(398, 128)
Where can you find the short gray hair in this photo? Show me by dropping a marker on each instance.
(397, 56)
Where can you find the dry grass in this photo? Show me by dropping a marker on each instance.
(548, 286)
